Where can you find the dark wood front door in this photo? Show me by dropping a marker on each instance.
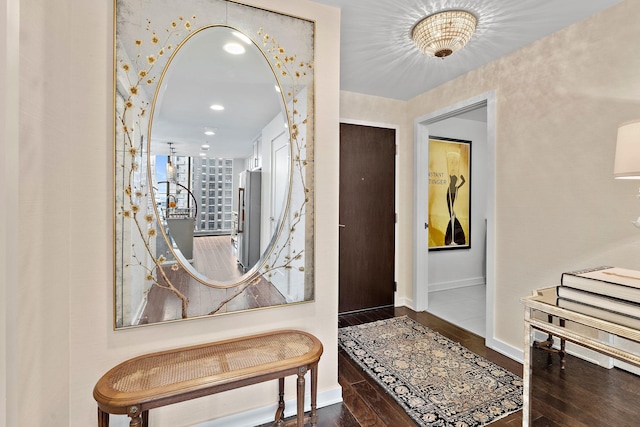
(367, 217)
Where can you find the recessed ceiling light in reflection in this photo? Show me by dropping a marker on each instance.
(217, 107)
(209, 132)
(203, 154)
(205, 146)
(234, 48)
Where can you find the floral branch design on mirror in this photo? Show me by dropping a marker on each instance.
(138, 199)
(137, 207)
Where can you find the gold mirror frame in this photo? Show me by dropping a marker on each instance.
(140, 270)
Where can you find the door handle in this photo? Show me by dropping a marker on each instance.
(241, 207)
(341, 225)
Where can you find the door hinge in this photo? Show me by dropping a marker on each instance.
(395, 286)
(395, 218)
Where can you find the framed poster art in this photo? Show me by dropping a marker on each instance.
(449, 193)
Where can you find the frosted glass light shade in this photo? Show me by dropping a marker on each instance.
(444, 33)
(627, 160)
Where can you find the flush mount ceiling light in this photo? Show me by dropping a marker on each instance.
(444, 33)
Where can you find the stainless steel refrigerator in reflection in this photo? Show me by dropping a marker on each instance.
(249, 200)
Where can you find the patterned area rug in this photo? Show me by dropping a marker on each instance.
(437, 381)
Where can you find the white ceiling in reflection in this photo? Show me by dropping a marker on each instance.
(202, 74)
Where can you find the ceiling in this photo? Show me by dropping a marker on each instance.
(377, 56)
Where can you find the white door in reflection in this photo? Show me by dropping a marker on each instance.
(280, 183)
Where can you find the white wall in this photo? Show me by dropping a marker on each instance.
(9, 40)
(59, 279)
(457, 268)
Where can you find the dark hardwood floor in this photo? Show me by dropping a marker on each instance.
(583, 395)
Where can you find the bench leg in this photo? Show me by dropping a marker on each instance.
(136, 417)
(103, 418)
(314, 395)
(279, 418)
(300, 396)
(135, 421)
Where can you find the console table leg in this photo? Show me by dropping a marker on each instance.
(526, 370)
(103, 418)
(279, 418)
(548, 345)
(300, 397)
(562, 346)
(314, 395)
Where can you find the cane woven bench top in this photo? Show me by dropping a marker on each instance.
(190, 370)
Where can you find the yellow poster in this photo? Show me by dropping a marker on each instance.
(449, 193)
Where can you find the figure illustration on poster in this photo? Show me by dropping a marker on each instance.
(449, 193)
(455, 233)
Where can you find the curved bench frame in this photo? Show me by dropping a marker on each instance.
(163, 378)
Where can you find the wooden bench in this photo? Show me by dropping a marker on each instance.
(163, 378)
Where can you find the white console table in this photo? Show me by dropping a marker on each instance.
(541, 310)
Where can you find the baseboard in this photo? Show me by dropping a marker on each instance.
(404, 302)
(265, 414)
(445, 286)
(578, 351)
(505, 349)
(586, 354)
(572, 349)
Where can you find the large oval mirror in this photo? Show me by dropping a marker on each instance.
(217, 188)
(213, 162)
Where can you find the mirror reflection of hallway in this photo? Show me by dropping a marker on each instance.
(367, 217)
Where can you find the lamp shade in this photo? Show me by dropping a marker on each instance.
(627, 160)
